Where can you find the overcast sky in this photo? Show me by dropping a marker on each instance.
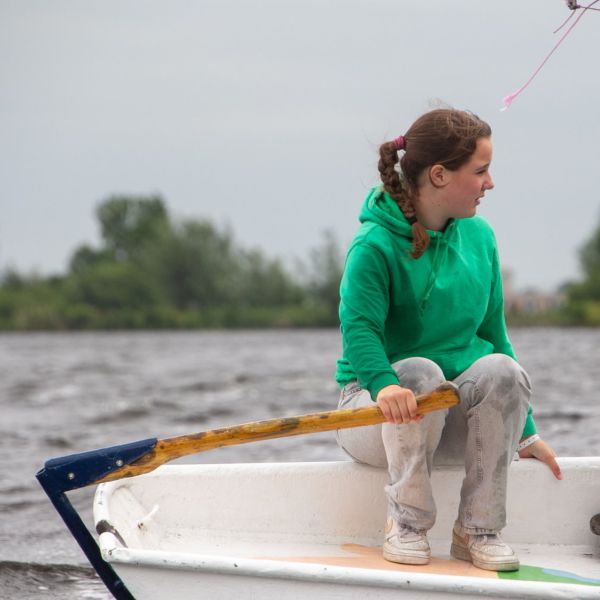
(267, 115)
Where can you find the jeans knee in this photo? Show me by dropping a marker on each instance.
(505, 376)
(421, 375)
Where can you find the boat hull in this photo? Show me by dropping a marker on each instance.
(295, 529)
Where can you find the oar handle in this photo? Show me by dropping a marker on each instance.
(445, 396)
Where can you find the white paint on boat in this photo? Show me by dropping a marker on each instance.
(286, 530)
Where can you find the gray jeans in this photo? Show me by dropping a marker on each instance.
(482, 432)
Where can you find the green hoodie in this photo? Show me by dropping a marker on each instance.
(446, 306)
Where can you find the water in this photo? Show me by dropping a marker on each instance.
(66, 393)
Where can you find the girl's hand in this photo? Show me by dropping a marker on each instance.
(398, 404)
(540, 450)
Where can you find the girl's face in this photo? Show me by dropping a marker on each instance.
(467, 185)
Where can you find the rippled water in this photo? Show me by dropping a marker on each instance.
(66, 393)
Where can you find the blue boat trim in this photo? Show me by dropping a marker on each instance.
(74, 471)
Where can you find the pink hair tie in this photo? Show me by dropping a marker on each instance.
(400, 142)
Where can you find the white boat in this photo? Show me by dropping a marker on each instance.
(314, 530)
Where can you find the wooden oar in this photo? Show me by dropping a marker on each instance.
(66, 473)
(445, 396)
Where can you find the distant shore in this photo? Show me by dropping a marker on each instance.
(152, 272)
(226, 318)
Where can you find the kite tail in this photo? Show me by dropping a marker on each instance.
(508, 100)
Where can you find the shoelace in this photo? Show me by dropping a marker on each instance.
(486, 538)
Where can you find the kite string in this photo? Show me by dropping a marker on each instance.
(508, 100)
(565, 22)
(576, 6)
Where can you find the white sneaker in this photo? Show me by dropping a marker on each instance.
(405, 545)
(486, 551)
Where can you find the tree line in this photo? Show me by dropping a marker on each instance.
(582, 306)
(151, 272)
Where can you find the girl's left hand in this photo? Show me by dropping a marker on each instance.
(540, 450)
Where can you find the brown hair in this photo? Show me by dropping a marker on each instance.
(444, 136)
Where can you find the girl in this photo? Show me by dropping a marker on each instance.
(421, 303)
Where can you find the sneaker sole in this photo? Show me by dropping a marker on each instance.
(405, 559)
(463, 553)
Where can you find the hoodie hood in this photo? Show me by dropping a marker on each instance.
(379, 207)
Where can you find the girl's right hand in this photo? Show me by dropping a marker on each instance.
(398, 404)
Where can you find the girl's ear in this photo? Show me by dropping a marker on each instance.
(439, 176)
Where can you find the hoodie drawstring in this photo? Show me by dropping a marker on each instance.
(436, 266)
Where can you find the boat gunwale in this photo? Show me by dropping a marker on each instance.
(298, 571)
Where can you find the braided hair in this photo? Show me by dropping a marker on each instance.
(444, 136)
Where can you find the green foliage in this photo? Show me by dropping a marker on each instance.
(325, 274)
(129, 224)
(30, 303)
(195, 265)
(264, 282)
(590, 259)
(549, 318)
(11, 280)
(86, 258)
(583, 297)
(151, 273)
(110, 286)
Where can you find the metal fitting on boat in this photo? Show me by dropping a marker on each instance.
(595, 524)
